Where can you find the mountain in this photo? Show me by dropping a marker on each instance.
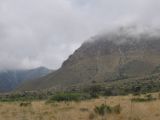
(123, 53)
(10, 79)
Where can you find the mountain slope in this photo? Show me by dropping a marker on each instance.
(123, 53)
(12, 78)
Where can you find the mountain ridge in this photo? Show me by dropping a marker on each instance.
(116, 55)
(10, 79)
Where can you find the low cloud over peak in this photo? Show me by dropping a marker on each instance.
(44, 32)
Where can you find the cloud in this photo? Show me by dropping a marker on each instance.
(44, 32)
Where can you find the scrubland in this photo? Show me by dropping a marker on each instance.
(82, 110)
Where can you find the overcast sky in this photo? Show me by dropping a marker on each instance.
(44, 32)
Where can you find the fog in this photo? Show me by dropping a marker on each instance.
(44, 32)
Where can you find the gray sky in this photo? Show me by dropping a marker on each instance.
(44, 32)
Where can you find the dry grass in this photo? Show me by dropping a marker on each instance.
(81, 110)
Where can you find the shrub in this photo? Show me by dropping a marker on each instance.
(108, 92)
(147, 98)
(25, 104)
(24, 96)
(94, 95)
(103, 109)
(139, 100)
(69, 97)
(95, 90)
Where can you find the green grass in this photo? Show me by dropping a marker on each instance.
(69, 97)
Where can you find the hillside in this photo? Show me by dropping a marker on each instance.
(124, 53)
(10, 79)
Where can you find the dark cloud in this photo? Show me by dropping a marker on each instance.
(44, 32)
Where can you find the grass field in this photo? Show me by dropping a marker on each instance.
(83, 110)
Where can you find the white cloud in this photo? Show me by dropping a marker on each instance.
(44, 32)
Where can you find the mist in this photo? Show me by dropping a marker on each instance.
(45, 32)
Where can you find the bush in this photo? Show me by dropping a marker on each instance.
(94, 95)
(139, 100)
(147, 98)
(95, 90)
(108, 92)
(103, 109)
(25, 104)
(24, 96)
(69, 97)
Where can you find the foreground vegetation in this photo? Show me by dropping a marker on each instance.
(106, 108)
(95, 102)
